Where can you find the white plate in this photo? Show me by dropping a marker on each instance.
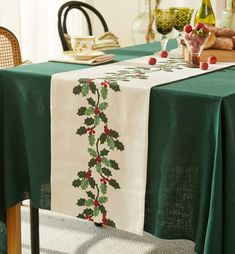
(83, 57)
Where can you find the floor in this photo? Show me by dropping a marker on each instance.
(61, 234)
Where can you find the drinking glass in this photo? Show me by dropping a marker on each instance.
(164, 21)
(182, 17)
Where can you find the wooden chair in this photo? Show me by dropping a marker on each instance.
(10, 55)
(82, 7)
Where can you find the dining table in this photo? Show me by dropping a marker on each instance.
(190, 189)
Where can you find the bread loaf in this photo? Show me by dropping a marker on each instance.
(221, 31)
(225, 43)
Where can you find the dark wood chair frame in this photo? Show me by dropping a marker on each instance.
(81, 6)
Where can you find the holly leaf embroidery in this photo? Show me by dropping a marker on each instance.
(88, 202)
(110, 223)
(96, 211)
(104, 92)
(90, 194)
(93, 87)
(103, 117)
(76, 183)
(81, 216)
(84, 184)
(106, 172)
(92, 152)
(114, 164)
(114, 183)
(103, 105)
(119, 145)
(88, 212)
(110, 143)
(97, 120)
(103, 188)
(103, 200)
(89, 111)
(98, 168)
(114, 86)
(85, 90)
(92, 183)
(77, 89)
(81, 131)
(104, 152)
(91, 101)
(91, 140)
(81, 174)
(81, 111)
(89, 121)
(113, 133)
(91, 163)
(103, 138)
(103, 210)
(105, 161)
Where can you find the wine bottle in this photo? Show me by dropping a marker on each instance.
(205, 13)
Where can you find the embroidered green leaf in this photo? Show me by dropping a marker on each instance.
(113, 133)
(91, 101)
(84, 184)
(81, 216)
(81, 111)
(105, 161)
(103, 200)
(92, 152)
(88, 211)
(119, 145)
(85, 90)
(98, 168)
(104, 152)
(114, 86)
(93, 87)
(114, 183)
(89, 202)
(103, 105)
(110, 223)
(91, 163)
(106, 172)
(103, 188)
(89, 121)
(81, 174)
(104, 92)
(90, 194)
(103, 117)
(103, 210)
(97, 120)
(114, 164)
(81, 131)
(77, 89)
(103, 138)
(92, 182)
(110, 143)
(89, 111)
(91, 140)
(76, 183)
(96, 211)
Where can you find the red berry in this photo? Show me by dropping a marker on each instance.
(163, 54)
(152, 60)
(96, 203)
(97, 111)
(104, 220)
(212, 60)
(198, 26)
(203, 65)
(98, 159)
(188, 28)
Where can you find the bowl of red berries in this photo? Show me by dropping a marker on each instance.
(195, 38)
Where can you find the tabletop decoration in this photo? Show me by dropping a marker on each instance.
(98, 175)
(195, 40)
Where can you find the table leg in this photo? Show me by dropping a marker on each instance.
(34, 228)
(14, 230)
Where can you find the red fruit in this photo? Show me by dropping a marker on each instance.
(203, 65)
(212, 60)
(206, 30)
(198, 26)
(163, 54)
(104, 220)
(88, 174)
(188, 28)
(152, 60)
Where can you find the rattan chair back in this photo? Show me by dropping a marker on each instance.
(83, 7)
(10, 55)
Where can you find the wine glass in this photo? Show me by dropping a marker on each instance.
(164, 21)
(182, 16)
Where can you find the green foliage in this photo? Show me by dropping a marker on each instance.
(77, 90)
(84, 184)
(88, 202)
(103, 188)
(92, 152)
(91, 140)
(103, 200)
(89, 121)
(110, 223)
(91, 101)
(81, 131)
(81, 111)
(110, 143)
(119, 145)
(104, 93)
(106, 172)
(90, 194)
(104, 152)
(114, 184)
(92, 182)
(114, 86)
(114, 164)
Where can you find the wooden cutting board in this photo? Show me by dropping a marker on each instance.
(222, 55)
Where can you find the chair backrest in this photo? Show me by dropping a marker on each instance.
(83, 7)
(10, 55)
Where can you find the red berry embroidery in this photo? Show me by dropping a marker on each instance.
(104, 180)
(96, 203)
(89, 217)
(106, 130)
(97, 111)
(98, 159)
(104, 220)
(88, 174)
(104, 83)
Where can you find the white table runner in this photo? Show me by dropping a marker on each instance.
(99, 138)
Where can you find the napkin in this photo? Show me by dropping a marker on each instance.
(94, 61)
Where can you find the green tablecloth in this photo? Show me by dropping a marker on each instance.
(191, 162)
